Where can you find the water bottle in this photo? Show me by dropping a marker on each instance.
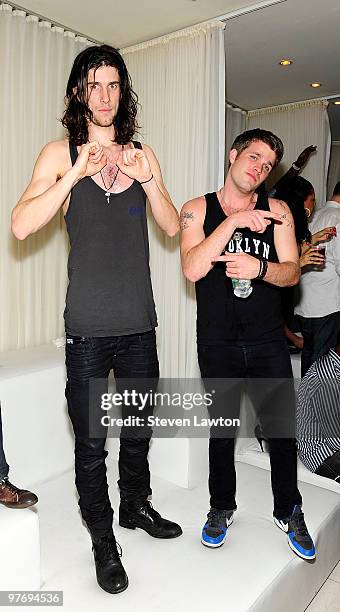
(242, 287)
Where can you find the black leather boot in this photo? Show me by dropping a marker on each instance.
(111, 575)
(141, 514)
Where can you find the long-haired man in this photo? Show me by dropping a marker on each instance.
(100, 177)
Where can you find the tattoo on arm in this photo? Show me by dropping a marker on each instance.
(185, 217)
(286, 216)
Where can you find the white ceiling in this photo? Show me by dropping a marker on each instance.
(127, 22)
(305, 30)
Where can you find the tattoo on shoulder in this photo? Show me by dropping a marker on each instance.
(285, 218)
(184, 219)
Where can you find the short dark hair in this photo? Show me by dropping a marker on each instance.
(336, 190)
(77, 113)
(242, 141)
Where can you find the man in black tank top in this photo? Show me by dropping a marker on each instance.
(101, 178)
(239, 248)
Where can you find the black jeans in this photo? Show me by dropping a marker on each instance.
(135, 357)
(268, 361)
(3, 464)
(319, 335)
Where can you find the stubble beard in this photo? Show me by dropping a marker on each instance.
(244, 187)
(102, 121)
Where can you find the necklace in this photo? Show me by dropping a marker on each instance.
(230, 211)
(107, 193)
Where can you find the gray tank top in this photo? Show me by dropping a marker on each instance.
(109, 291)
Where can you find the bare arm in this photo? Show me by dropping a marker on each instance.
(199, 253)
(286, 273)
(296, 167)
(141, 164)
(283, 274)
(293, 338)
(323, 235)
(163, 210)
(51, 183)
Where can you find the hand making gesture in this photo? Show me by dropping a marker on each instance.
(135, 164)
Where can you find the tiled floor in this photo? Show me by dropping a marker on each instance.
(328, 598)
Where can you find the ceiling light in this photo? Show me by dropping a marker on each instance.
(315, 84)
(286, 62)
(337, 102)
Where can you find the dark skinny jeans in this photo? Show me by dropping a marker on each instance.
(130, 357)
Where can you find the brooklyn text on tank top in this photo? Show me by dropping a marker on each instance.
(223, 317)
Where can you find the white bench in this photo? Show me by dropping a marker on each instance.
(20, 550)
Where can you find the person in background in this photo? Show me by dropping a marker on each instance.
(318, 415)
(319, 304)
(294, 170)
(299, 194)
(10, 495)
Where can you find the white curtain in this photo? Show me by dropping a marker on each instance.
(334, 168)
(235, 124)
(236, 120)
(299, 125)
(35, 59)
(180, 81)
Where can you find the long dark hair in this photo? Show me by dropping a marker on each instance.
(77, 113)
(295, 191)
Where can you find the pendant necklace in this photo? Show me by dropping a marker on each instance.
(107, 192)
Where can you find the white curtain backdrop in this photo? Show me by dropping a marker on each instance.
(299, 125)
(180, 81)
(334, 168)
(35, 59)
(236, 120)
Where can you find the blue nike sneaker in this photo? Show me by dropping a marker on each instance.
(298, 537)
(214, 531)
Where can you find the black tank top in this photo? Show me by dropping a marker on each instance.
(109, 291)
(223, 317)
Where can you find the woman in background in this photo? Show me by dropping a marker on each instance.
(299, 194)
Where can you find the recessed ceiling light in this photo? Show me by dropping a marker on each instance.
(315, 84)
(286, 62)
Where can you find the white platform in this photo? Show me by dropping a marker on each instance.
(34, 411)
(36, 428)
(19, 549)
(255, 571)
